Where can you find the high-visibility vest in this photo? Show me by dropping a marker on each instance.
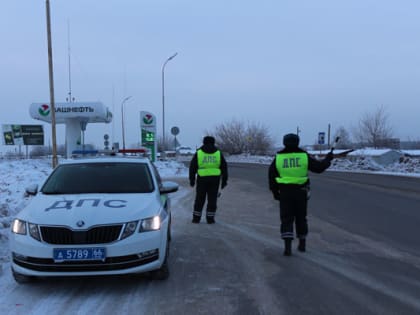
(208, 163)
(292, 167)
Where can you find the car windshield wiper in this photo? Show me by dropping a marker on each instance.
(54, 192)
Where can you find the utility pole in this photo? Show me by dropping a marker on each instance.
(70, 98)
(51, 78)
(329, 135)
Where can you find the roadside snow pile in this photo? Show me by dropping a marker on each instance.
(246, 158)
(170, 168)
(405, 165)
(359, 164)
(16, 175)
(408, 164)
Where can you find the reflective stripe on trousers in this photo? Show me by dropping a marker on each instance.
(206, 190)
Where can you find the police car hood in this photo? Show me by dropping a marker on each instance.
(92, 209)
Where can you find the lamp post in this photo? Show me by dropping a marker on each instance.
(163, 98)
(122, 120)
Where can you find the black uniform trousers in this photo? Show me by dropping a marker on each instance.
(293, 209)
(207, 187)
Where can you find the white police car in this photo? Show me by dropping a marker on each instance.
(97, 216)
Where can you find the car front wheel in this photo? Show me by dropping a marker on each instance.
(163, 272)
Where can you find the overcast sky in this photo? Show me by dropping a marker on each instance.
(281, 63)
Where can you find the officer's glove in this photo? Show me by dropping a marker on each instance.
(224, 184)
(192, 183)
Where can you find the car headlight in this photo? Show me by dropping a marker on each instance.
(34, 231)
(19, 227)
(150, 224)
(129, 229)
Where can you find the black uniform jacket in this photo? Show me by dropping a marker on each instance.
(314, 165)
(208, 148)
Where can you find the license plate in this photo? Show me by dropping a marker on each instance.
(74, 254)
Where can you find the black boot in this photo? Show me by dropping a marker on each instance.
(302, 245)
(211, 220)
(287, 247)
(196, 219)
(210, 216)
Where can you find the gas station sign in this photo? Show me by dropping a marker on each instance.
(148, 132)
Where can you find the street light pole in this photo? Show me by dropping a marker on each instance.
(163, 98)
(122, 120)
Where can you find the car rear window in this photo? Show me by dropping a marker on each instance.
(99, 178)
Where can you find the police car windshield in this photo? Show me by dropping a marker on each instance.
(99, 178)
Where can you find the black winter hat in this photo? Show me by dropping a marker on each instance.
(291, 140)
(209, 140)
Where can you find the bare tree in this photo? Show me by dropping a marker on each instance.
(345, 141)
(374, 128)
(258, 139)
(234, 137)
(230, 137)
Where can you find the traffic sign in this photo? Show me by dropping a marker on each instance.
(175, 131)
(321, 138)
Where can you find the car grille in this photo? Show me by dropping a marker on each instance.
(67, 236)
(110, 263)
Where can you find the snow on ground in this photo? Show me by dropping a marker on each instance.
(16, 175)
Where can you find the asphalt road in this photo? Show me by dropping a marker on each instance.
(363, 256)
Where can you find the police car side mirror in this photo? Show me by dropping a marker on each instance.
(168, 187)
(31, 190)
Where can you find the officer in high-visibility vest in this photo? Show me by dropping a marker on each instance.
(289, 183)
(208, 166)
